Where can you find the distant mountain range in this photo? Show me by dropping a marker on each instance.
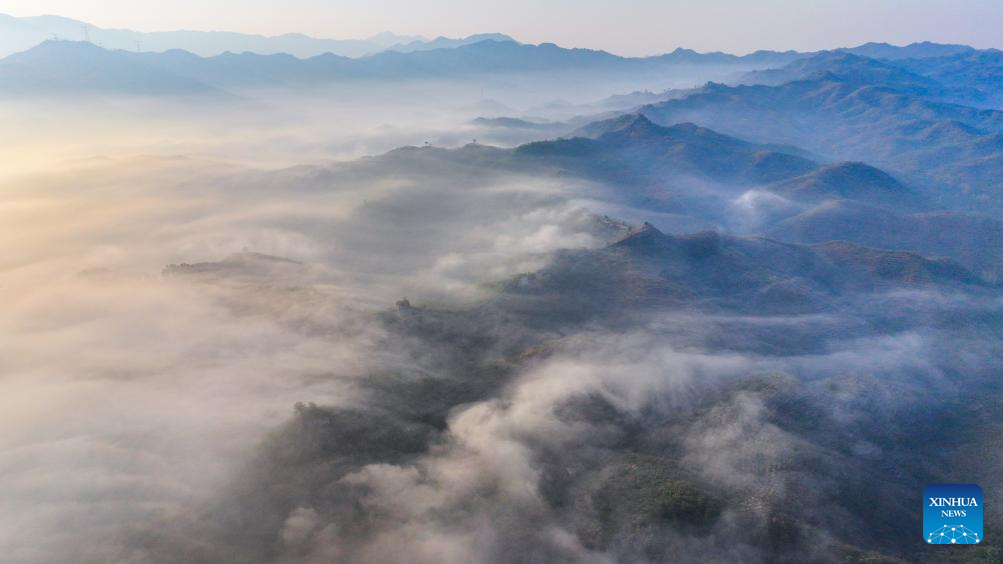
(57, 68)
(21, 34)
(78, 66)
(58, 55)
(446, 42)
(920, 50)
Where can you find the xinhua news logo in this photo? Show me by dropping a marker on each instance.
(952, 514)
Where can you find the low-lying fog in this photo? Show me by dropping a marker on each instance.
(139, 399)
(286, 126)
(129, 394)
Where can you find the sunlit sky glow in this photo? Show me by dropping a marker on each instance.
(629, 27)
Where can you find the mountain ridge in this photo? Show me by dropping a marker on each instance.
(487, 57)
(26, 32)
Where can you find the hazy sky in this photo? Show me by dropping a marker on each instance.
(629, 27)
